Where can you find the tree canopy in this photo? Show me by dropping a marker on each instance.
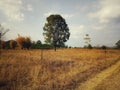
(56, 31)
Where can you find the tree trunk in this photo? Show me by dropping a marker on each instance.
(55, 48)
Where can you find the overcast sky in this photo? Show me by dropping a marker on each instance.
(98, 18)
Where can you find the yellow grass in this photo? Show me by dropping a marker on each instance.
(64, 69)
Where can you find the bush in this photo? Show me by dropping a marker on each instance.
(7, 44)
(13, 44)
(2, 44)
(103, 47)
(23, 42)
(46, 46)
(90, 46)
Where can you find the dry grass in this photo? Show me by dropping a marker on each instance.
(61, 70)
(112, 82)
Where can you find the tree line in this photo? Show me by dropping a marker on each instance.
(22, 42)
(55, 32)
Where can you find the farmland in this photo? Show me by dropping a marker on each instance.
(65, 69)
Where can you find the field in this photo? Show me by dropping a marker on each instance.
(65, 69)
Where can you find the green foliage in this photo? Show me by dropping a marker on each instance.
(118, 44)
(33, 45)
(89, 46)
(46, 46)
(56, 31)
(39, 45)
(70, 46)
(36, 45)
(7, 45)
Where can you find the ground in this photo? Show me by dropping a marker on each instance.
(108, 79)
(65, 69)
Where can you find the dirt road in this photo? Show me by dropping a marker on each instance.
(108, 79)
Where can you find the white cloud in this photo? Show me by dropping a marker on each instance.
(76, 31)
(63, 15)
(13, 9)
(67, 15)
(109, 9)
(29, 7)
(99, 27)
(3, 24)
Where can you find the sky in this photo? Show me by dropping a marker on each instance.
(98, 18)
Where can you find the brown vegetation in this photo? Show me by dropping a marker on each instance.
(2, 44)
(65, 69)
(13, 44)
(23, 42)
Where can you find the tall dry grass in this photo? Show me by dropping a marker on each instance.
(64, 69)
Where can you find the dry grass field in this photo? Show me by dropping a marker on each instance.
(65, 69)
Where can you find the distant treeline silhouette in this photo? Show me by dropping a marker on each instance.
(22, 42)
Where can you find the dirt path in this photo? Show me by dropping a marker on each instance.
(100, 79)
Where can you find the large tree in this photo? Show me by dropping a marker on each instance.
(56, 31)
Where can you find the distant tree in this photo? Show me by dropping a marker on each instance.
(103, 47)
(56, 31)
(2, 44)
(20, 40)
(66, 46)
(27, 42)
(118, 44)
(23, 42)
(46, 46)
(7, 44)
(33, 45)
(13, 44)
(3, 31)
(89, 46)
(38, 44)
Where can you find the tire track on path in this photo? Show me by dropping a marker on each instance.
(93, 82)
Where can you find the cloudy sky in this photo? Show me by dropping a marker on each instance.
(98, 18)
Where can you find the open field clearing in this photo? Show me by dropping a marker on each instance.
(65, 69)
